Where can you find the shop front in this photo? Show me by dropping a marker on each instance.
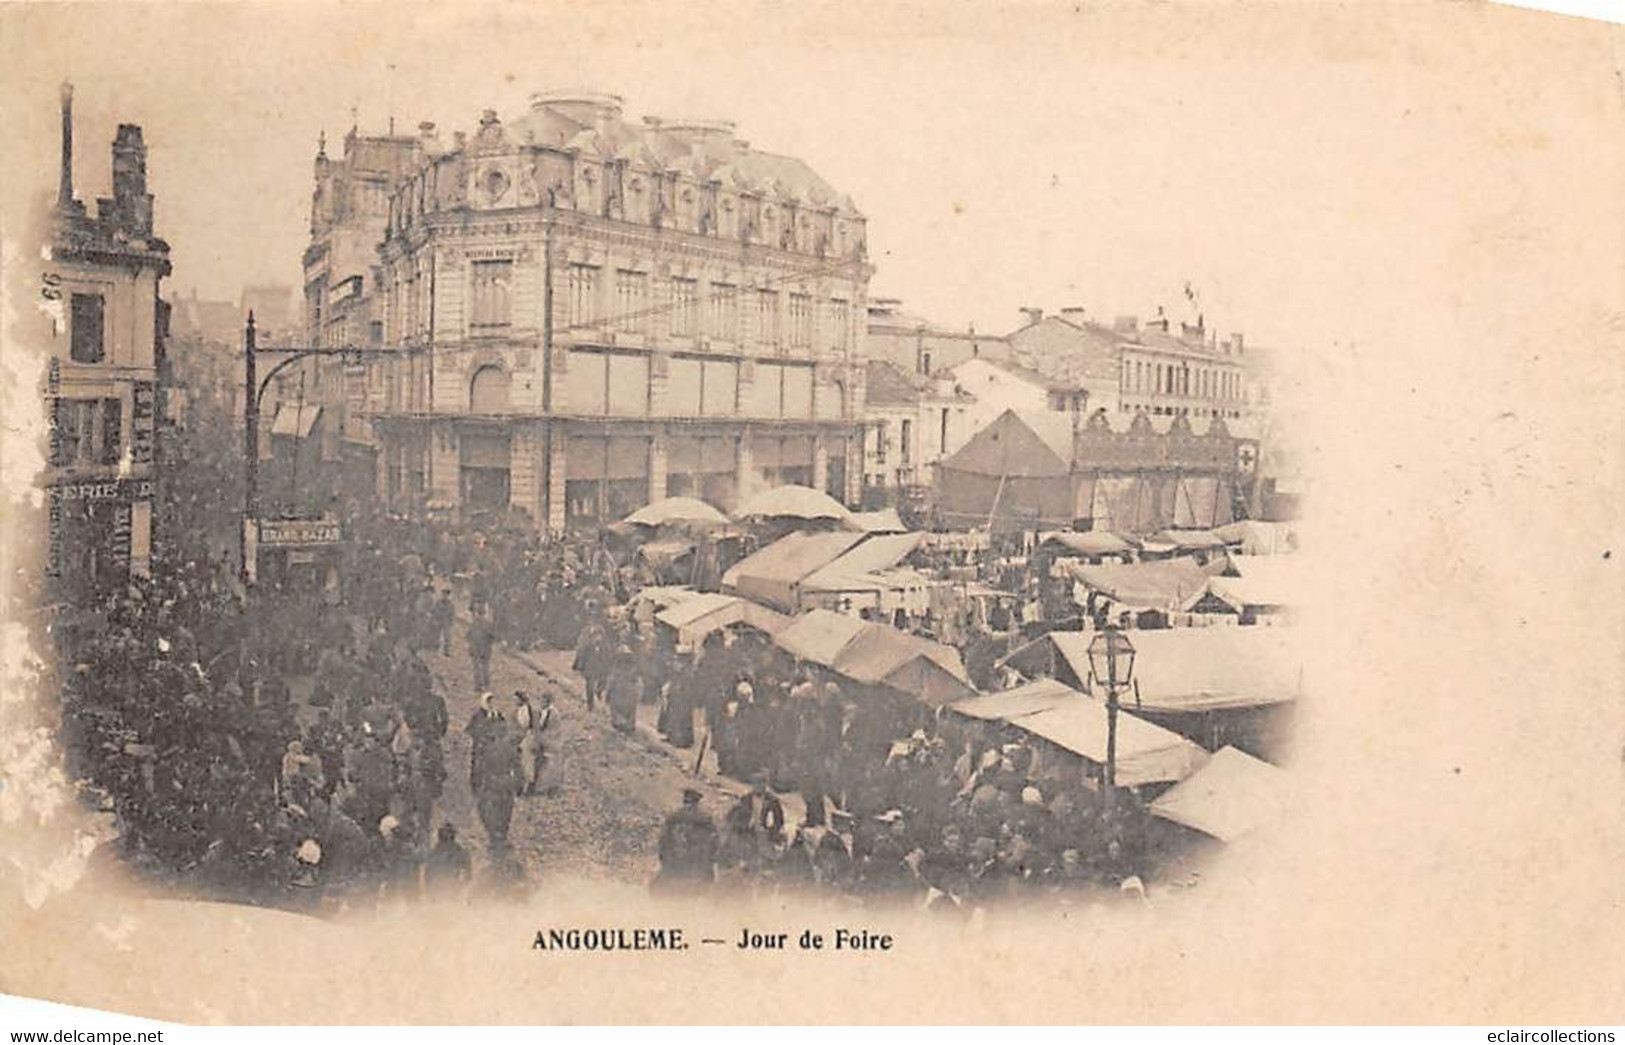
(299, 557)
(606, 478)
(100, 535)
(781, 460)
(703, 467)
(483, 467)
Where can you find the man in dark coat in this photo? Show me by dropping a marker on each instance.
(483, 727)
(481, 639)
(625, 687)
(500, 781)
(592, 661)
(688, 848)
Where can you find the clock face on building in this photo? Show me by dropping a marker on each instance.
(494, 183)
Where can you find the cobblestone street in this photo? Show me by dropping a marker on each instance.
(603, 820)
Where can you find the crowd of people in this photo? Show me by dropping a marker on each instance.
(898, 801)
(290, 745)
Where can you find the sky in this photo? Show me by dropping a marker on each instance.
(1048, 156)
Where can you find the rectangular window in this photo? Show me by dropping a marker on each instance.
(725, 311)
(112, 426)
(801, 320)
(628, 393)
(798, 391)
(493, 294)
(720, 393)
(767, 317)
(840, 323)
(685, 295)
(586, 383)
(631, 300)
(87, 330)
(684, 376)
(75, 421)
(581, 296)
(607, 383)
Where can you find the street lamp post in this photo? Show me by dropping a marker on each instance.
(251, 445)
(253, 392)
(1111, 659)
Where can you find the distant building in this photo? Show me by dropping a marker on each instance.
(1152, 429)
(995, 386)
(276, 314)
(201, 319)
(1126, 368)
(911, 423)
(592, 313)
(106, 364)
(318, 412)
(919, 346)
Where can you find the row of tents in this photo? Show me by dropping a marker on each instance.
(1231, 692)
(1208, 708)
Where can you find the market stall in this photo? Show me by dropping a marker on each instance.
(1230, 797)
(774, 574)
(1073, 722)
(1216, 686)
(691, 620)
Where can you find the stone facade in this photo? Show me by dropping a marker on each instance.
(590, 313)
(1128, 368)
(920, 346)
(106, 362)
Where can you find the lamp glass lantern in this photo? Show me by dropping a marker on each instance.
(1111, 657)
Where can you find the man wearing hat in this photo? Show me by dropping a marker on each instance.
(688, 848)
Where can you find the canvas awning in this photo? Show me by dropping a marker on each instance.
(773, 575)
(876, 553)
(1182, 669)
(676, 509)
(1256, 537)
(819, 636)
(1265, 581)
(1146, 753)
(1167, 586)
(877, 654)
(884, 521)
(694, 619)
(1190, 540)
(1231, 796)
(1094, 542)
(661, 596)
(792, 501)
(294, 420)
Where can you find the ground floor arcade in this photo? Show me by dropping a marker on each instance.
(584, 473)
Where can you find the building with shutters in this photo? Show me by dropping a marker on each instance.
(106, 357)
(589, 313)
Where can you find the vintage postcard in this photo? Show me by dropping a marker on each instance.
(754, 513)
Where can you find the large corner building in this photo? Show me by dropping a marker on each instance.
(583, 314)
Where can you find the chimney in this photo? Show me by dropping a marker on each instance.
(65, 189)
(1073, 314)
(1032, 315)
(1126, 324)
(1235, 344)
(131, 201)
(1160, 322)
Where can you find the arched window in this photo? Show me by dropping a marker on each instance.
(488, 391)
